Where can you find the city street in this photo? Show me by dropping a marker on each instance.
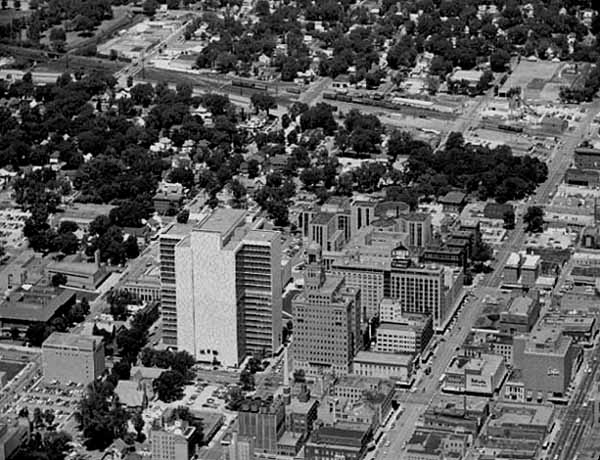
(416, 402)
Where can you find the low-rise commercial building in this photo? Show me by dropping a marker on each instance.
(522, 313)
(72, 358)
(328, 443)
(480, 376)
(456, 413)
(33, 305)
(518, 427)
(79, 274)
(384, 365)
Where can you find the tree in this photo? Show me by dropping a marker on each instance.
(59, 279)
(85, 306)
(247, 380)
(15, 333)
(509, 219)
(142, 94)
(131, 247)
(36, 334)
(319, 116)
(169, 386)
(183, 176)
(57, 35)
(238, 190)
(122, 370)
(253, 168)
(183, 216)
(263, 101)
(66, 242)
(149, 7)
(101, 417)
(67, 226)
(499, 59)
(534, 219)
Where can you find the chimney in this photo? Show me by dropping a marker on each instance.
(97, 257)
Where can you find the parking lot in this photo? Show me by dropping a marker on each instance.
(62, 400)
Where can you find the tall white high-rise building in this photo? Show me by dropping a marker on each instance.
(228, 289)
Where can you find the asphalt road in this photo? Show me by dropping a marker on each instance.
(415, 403)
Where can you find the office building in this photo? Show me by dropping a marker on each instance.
(168, 302)
(418, 227)
(72, 358)
(424, 289)
(546, 360)
(228, 289)
(174, 441)
(365, 262)
(408, 334)
(328, 443)
(327, 321)
(263, 420)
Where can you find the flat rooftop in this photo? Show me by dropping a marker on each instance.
(384, 358)
(519, 414)
(68, 340)
(222, 220)
(520, 305)
(177, 229)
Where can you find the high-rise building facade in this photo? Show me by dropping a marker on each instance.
(168, 304)
(327, 321)
(228, 289)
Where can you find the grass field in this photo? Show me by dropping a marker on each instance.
(11, 368)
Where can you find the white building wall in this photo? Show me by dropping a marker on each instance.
(206, 299)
